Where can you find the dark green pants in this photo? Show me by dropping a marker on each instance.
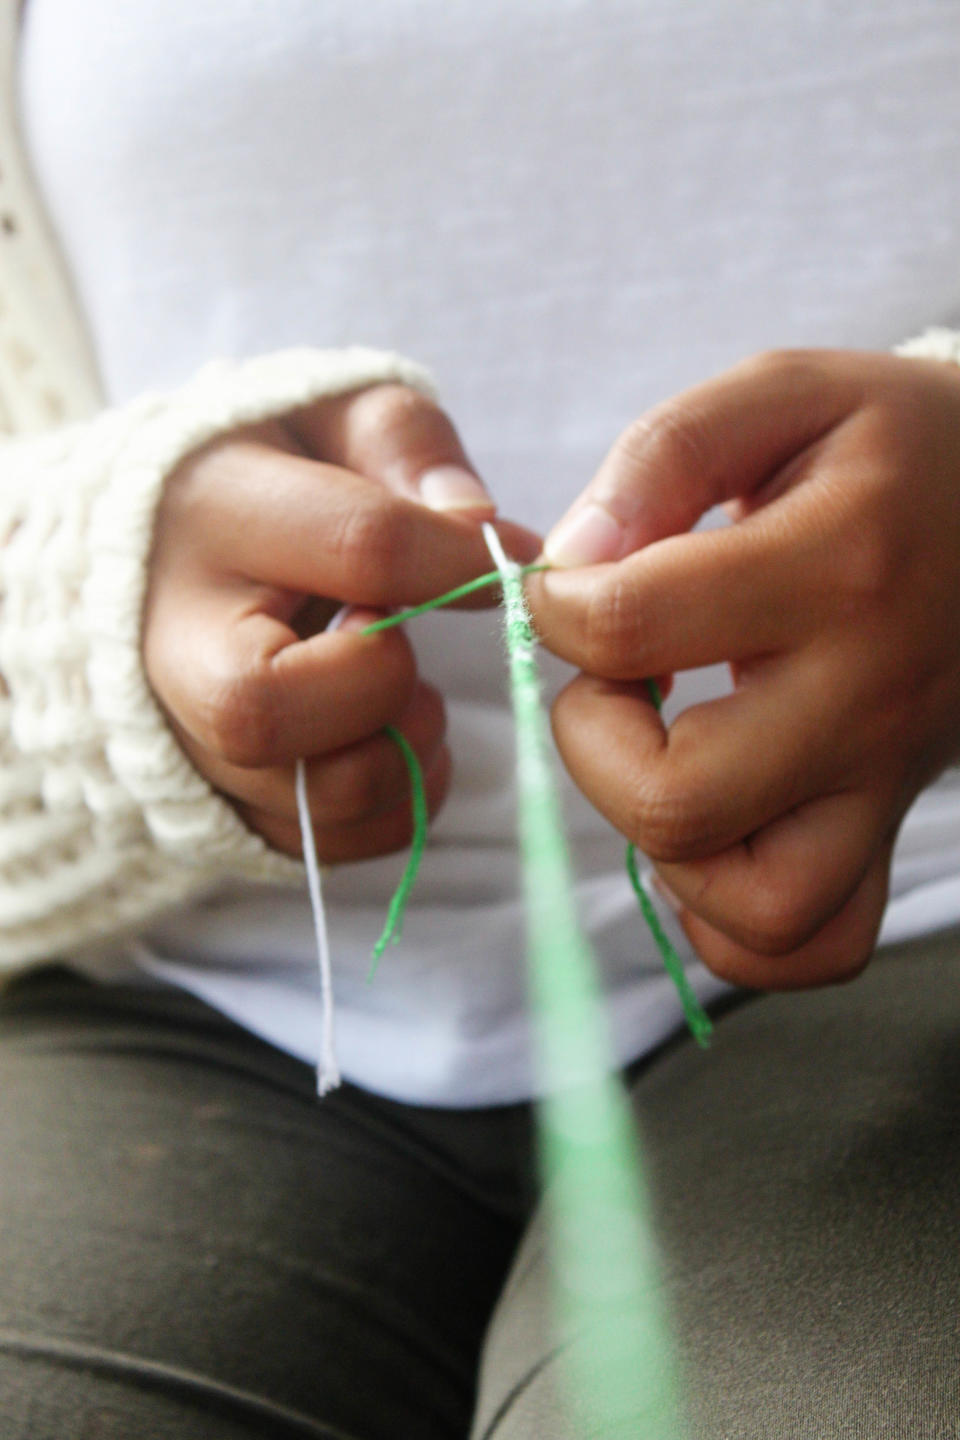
(191, 1246)
(807, 1179)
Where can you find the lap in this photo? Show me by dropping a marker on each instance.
(806, 1181)
(192, 1246)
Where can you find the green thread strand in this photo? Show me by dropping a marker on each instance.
(418, 801)
(481, 583)
(621, 1369)
(698, 1021)
(700, 1025)
(522, 634)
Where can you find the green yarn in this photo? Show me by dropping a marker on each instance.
(393, 925)
(653, 690)
(620, 1363)
(481, 582)
(698, 1021)
(621, 1370)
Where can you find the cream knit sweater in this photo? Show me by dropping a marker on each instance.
(103, 821)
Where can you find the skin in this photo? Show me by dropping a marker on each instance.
(770, 814)
(253, 531)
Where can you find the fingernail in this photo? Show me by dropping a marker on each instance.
(352, 617)
(663, 890)
(587, 536)
(450, 487)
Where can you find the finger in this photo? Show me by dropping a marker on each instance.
(344, 787)
(400, 438)
(302, 526)
(256, 695)
(838, 952)
(343, 844)
(721, 771)
(711, 444)
(776, 890)
(689, 600)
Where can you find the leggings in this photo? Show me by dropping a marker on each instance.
(192, 1246)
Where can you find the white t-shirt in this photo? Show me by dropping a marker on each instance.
(568, 209)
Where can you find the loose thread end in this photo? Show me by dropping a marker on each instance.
(698, 1021)
(327, 1080)
(393, 925)
(391, 934)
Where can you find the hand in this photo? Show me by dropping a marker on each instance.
(770, 814)
(333, 502)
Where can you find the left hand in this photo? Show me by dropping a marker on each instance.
(363, 499)
(770, 814)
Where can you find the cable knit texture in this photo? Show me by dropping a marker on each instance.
(103, 821)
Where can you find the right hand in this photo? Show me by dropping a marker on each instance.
(339, 502)
(770, 813)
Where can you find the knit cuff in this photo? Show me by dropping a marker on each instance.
(182, 813)
(937, 343)
(101, 813)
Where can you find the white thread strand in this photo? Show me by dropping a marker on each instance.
(328, 1070)
(498, 555)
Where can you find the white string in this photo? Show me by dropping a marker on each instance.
(498, 555)
(328, 1070)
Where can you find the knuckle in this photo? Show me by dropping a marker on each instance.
(681, 804)
(787, 367)
(871, 571)
(666, 822)
(390, 678)
(672, 438)
(868, 568)
(611, 640)
(853, 963)
(392, 406)
(356, 787)
(777, 920)
(238, 721)
(401, 420)
(399, 675)
(372, 788)
(372, 539)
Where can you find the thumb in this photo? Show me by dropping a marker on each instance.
(716, 442)
(399, 437)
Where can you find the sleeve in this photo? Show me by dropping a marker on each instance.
(936, 343)
(103, 821)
